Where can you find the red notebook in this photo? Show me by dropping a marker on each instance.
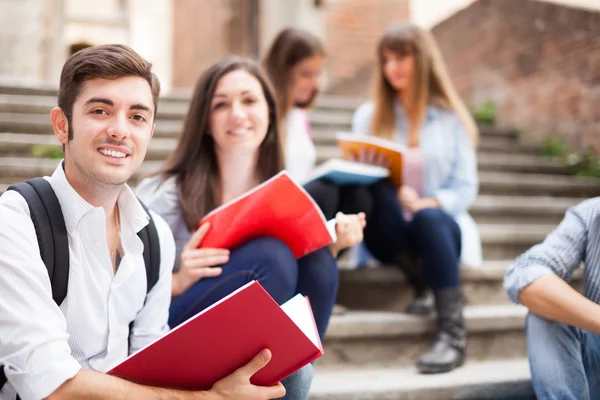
(225, 337)
(278, 208)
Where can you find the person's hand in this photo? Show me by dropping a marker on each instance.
(349, 231)
(237, 385)
(369, 156)
(198, 263)
(410, 200)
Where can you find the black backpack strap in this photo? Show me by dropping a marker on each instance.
(51, 232)
(149, 237)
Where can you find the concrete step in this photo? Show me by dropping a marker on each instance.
(392, 339)
(22, 104)
(508, 241)
(512, 183)
(476, 380)
(492, 209)
(40, 124)
(385, 288)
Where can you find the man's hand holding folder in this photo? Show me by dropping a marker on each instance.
(238, 385)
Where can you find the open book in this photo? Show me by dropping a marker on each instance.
(345, 172)
(394, 152)
(278, 208)
(225, 337)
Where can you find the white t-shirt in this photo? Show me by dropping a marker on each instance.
(300, 151)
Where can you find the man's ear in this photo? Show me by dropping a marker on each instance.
(60, 124)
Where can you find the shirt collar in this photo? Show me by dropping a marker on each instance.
(74, 207)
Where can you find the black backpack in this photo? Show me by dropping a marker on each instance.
(51, 233)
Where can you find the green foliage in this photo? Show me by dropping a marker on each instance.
(582, 163)
(485, 113)
(554, 147)
(47, 151)
(589, 165)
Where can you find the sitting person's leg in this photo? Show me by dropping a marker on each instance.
(355, 199)
(326, 195)
(297, 385)
(386, 233)
(266, 260)
(556, 355)
(591, 363)
(318, 279)
(438, 242)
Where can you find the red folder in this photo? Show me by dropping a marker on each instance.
(278, 208)
(225, 337)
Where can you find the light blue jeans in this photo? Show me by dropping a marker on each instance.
(297, 385)
(564, 361)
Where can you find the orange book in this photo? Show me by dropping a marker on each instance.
(278, 208)
(226, 336)
(352, 145)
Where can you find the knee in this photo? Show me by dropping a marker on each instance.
(298, 384)
(429, 217)
(323, 268)
(274, 254)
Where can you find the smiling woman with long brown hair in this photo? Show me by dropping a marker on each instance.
(415, 104)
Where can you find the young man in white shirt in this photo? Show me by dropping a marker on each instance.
(105, 118)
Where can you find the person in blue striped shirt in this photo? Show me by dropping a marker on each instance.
(563, 326)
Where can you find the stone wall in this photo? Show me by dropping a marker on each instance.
(537, 62)
(353, 28)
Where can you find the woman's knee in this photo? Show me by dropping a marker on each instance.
(429, 217)
(270, 254)
(322, 267)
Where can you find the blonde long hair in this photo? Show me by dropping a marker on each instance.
(431, 83)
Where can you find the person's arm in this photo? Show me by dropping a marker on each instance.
(537, 278)
(460, 189)
(554, 299)
(96, 386)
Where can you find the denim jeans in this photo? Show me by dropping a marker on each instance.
(564, 361)
(431, 234)
(297, 385)
(270, 262)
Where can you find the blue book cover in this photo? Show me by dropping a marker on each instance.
(343, 172)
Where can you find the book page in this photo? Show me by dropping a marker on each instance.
(297, 308)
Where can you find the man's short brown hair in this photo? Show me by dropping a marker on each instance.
(110, 61)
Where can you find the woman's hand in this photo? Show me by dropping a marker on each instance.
(197, 263)
(410, 200)
(349, 231)
(369, 156)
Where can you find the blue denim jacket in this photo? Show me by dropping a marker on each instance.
(450, 166)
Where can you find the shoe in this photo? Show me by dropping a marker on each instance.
(449, 349)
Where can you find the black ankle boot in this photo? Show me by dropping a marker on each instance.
(422, 304)
(423, 300)
(448, 350)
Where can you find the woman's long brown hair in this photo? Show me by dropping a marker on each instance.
(194, 162)
(431, 83)
(289, 47)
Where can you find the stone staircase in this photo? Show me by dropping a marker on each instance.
(370, 351)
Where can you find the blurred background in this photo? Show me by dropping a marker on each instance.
(536, 62)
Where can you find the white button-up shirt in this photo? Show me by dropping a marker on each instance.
(43, 345)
